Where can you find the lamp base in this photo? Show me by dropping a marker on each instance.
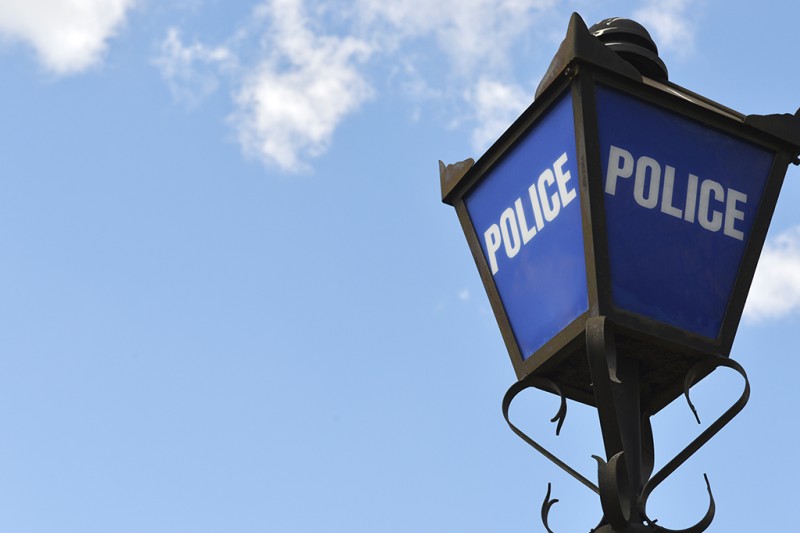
(626, 480)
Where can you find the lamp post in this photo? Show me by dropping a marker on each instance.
(616, 226)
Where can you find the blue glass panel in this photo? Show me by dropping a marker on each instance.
(680, 200)
(526, 213)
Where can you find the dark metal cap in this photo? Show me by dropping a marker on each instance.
(631, 41)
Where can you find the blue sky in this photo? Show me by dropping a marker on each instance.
(232, 299)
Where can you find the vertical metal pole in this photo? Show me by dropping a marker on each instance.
(616, 385)
(628, 405)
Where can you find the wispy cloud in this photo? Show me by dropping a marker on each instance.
(474, 34)
(191, 71)
(775, 292)
(496, 106)
(68, 37)
(672, 23)
(311, 74)
(290, 104)
(477, 38)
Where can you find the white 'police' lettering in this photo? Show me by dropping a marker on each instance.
(547, 195)
(707, 202)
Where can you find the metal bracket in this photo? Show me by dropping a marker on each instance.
(624, 480)
(700, 369)
(548, 385)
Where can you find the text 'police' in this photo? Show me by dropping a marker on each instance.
(546, 196)
(707, 202)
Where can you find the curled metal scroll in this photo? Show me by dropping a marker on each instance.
(546, 384)
(614, 491)
(697, 371)
(546, 505)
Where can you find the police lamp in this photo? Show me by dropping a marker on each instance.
(616, 226)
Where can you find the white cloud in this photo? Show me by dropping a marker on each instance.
(289, 106)
(474, 34)
(670, 22)
(68, 36)
(191, 71)
(496, 106)
(776, 287)
(305, 82)
(478, 38)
